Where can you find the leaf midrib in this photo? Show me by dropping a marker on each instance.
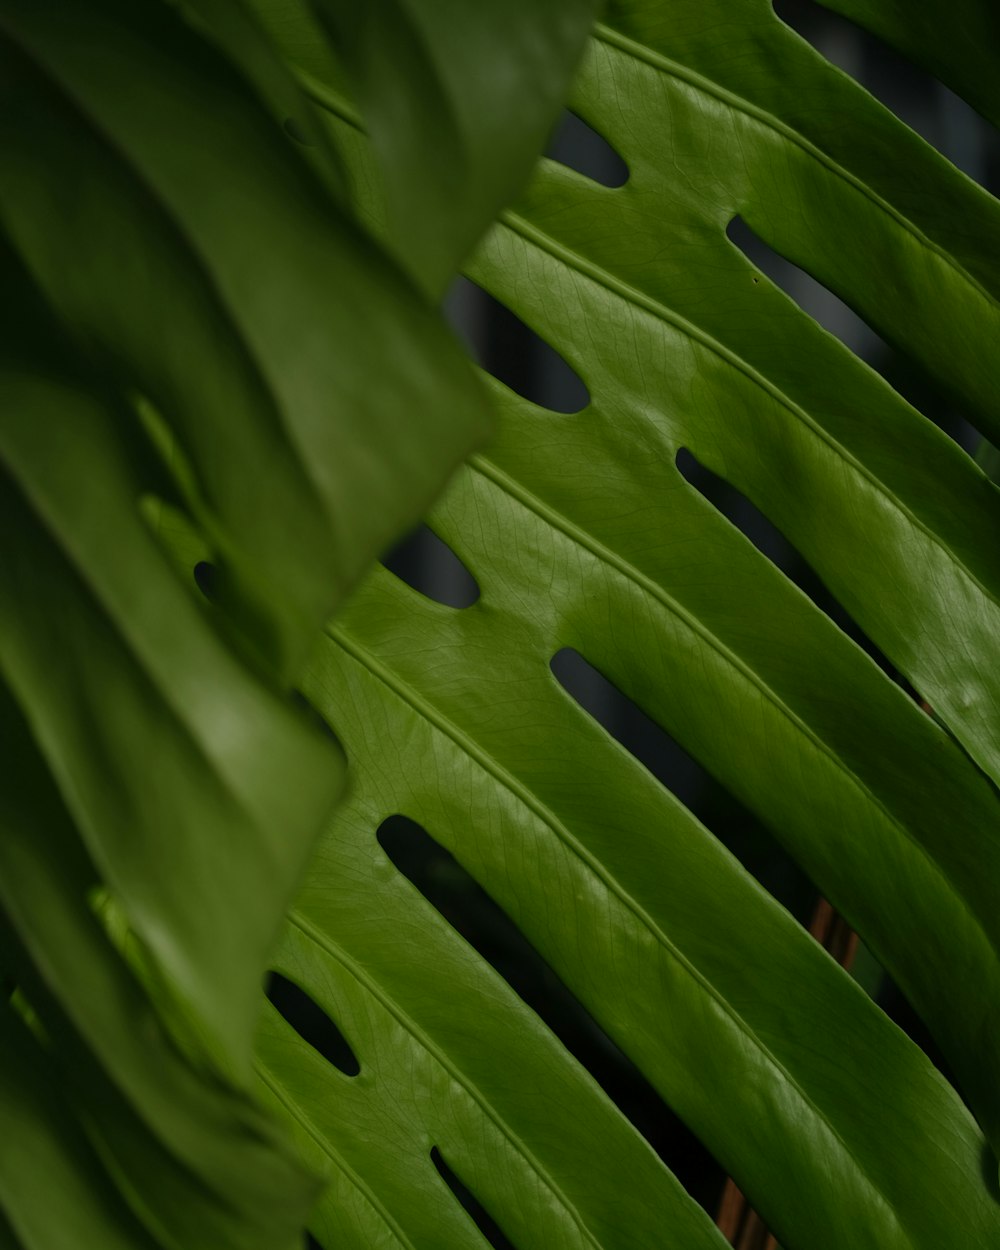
(214, 288)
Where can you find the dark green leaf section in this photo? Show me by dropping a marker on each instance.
(281, 346)
(243, 41)
(101, 622)
(581, 532)
(955, 41)
(224, 1176)
(473, 1073)
(490, 80)
(200, 338)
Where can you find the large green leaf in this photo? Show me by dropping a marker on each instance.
(200, 338)
(582, 532)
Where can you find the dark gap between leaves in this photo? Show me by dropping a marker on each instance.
(811, 296)
(500, 342)
(903, 374)
(312, 715)
(471, 1205)
(312, 1243)
(206, 578)
(897, 1007)
(311, 1023)
(428, 565)
(473, 913)
(918, 99)
(579, 146)
(677, 771)
(732, 823)
(770, 542)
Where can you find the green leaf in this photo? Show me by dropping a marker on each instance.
(103, 623)
(582, 532)
(200, 340)
(886, 509)
(223, 1175)
(489, 78)
(832, 1121)
(277, 342)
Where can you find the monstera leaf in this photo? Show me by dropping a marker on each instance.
(202, 344)
(583, 531)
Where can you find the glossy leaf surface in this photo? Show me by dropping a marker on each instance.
(580, 531)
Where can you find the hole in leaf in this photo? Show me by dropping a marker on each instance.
(471, 1204)
(428, 565)
(770, 542)
(473, 913)
(677, 771)
(811, 296)
(206, 578)
(311, 1023)
(504, 346)
(580, 147)
(904, 375)
(917, 98)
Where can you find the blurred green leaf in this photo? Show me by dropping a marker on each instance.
(204, 350)
(582, 532)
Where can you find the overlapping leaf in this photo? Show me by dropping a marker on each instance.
(198, 334)
(964, 58)
(582, 532)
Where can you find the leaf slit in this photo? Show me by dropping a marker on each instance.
(471, 1204)
(677, 771)
(905, 375)
(428, 565)
(815, 299)
(771, 543)
(581, 148)
(311, 1023)
(473, 913)
(508, 349)
(206, 578)
(919, 99)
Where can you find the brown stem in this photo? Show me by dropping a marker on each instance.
(738, 1222)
